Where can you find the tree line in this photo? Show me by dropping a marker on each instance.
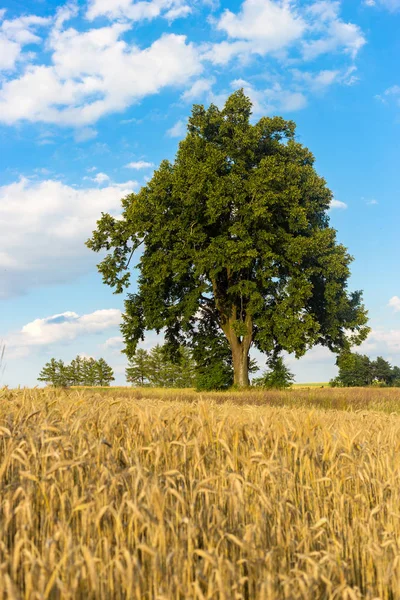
(358, 370)
(203, 370)
(79, 372)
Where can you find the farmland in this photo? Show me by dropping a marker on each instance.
(143, 493)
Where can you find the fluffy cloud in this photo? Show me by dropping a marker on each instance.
(114, 342)
(198, 89)
(139, 164)
(269, 25)
(137, 11)
(338, 204)
(329, 33)
(395, 303)
(94, 73)
(177, 130)
(61, 328)
(14, 35)
(382, 343)
(274, 26)
(44, 227)
(271, 99)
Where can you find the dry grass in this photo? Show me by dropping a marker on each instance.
(113, 494)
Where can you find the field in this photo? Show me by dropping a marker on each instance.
(146, 494)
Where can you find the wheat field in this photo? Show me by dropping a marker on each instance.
(139, 494)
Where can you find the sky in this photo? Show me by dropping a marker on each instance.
(94, 95)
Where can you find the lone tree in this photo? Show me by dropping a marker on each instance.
(235, 232)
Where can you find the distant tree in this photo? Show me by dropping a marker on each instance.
(236, 231)
(158, 369)
(104, 373)
(81, 371)
(395, 377)
(185, 369)
(381, 371)
(138, 368)
(355, 370)
(213, 357)
(89, 372)
(54, 373)
(75, 371)
(278, 376)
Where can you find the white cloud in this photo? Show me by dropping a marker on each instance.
(101, 178)
(114, 344)
(139, 164)
(85, 134)
(338, 204)
(274, 26)
(321, 80)
(381, 342)
(177, 130)
(14, 35)
(390, 93)
(60, 328)
(178, 12)
(94, 73)
(330, 32)
(44, 227)
(198, 89)
(269, 100)
(395, 303)
(391, 5)
(137, 11)
(268, 25)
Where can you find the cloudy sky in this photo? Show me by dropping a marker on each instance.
(94, 94)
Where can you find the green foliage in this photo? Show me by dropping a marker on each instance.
(213, 356)
(157, 368)
(235, 232)
(356, 370)
(55, 373)
(104, 373)
(81, 371)
(278, 376)
(138, 370)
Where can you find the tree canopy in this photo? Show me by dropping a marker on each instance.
(235, 239)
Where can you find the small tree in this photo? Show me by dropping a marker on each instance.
(89, 372)
(138, 369)
(54, 373)
(104, 373)
(381, 371)
(185, 369)
(75, 371)
(355, 370)
(278, 376)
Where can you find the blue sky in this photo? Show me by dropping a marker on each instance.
(94, 94)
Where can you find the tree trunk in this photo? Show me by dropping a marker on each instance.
(240, 365)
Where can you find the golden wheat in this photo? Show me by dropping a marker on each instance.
(113, 494)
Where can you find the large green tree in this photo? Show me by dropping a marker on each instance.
(236, 228)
